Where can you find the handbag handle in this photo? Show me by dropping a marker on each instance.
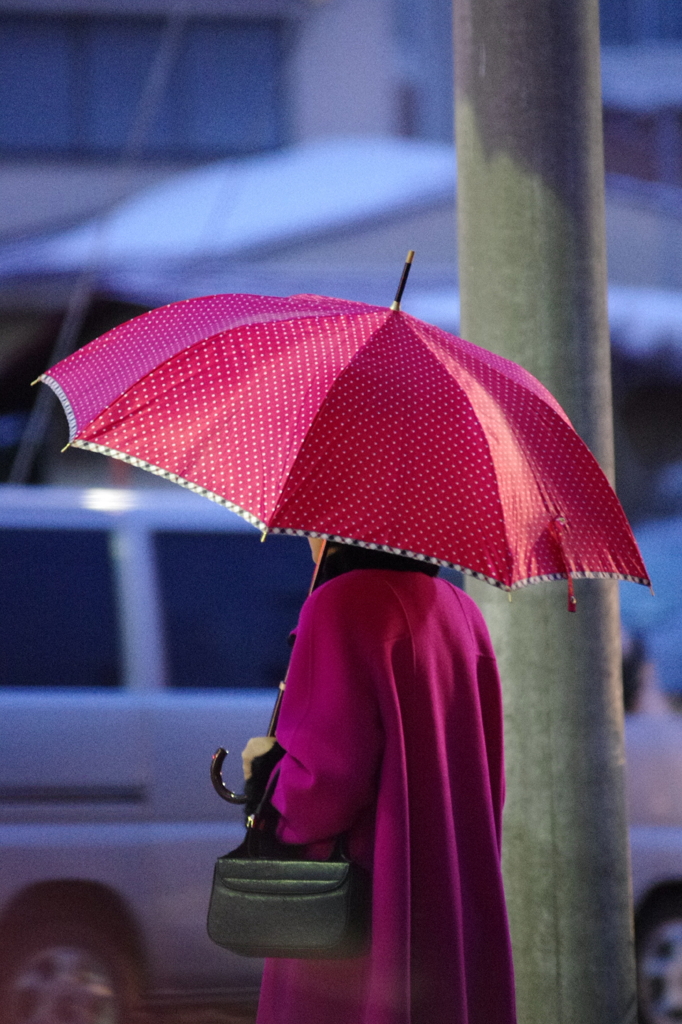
(261, 831)
(265, 810)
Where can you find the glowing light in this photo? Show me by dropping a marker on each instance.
(109, 499)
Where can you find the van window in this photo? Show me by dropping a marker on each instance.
(57, 609)
(229, 604)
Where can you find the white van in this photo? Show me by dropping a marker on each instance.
(654, 787)
(139, 631)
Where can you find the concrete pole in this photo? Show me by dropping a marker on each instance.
(533, 288)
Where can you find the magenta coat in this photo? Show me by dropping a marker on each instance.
(392, 725)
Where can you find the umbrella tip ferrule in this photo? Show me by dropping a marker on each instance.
(395, 305)
(67, 445)
(263, 534)
(37, 380)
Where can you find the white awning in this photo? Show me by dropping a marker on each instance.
(238, 210)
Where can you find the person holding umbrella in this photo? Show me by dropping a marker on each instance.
(391, 729)
(405, 448)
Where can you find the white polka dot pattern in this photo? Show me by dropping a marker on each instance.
(331, 418)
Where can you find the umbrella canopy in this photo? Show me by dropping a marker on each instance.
(318, 416)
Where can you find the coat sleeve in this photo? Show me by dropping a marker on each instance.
(330, 724)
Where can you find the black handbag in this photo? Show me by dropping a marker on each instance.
(268, 901)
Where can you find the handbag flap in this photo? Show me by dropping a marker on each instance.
(292, 877)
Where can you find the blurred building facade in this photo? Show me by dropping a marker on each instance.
(103, 97)
(642, 81)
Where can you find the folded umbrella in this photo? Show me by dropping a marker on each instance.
(324, 417)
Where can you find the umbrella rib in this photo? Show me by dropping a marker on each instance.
(167, 474)
(428, 346)
(383, 547)
(243, 321)
(431, 346)
(287, 469)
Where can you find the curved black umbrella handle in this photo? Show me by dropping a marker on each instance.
(217, 779)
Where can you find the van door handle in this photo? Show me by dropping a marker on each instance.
(217, 779)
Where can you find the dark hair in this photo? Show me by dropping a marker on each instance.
(341, 558)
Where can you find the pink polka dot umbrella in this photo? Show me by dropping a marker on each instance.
(319, 416)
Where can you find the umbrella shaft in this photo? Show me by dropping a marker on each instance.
(317, 577)
(275, 710)
(403, 281)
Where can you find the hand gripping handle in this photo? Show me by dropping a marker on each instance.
(220, 755)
